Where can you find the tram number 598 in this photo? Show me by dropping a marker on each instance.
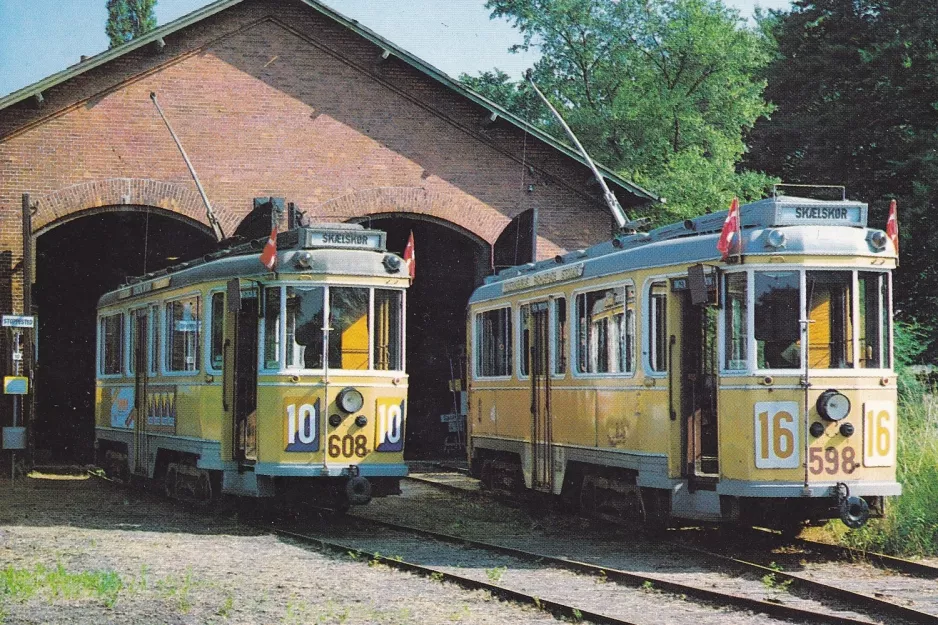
(776, 435)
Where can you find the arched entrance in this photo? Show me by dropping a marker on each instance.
(450, 264)
(76, 262)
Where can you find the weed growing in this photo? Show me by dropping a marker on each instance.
(57, 583)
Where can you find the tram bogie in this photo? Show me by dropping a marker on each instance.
(221, 377)
(648, 378)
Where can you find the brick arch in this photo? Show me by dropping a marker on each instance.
(468, 214)
(114, 194)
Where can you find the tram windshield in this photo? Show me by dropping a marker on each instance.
(364, 329)
(847, 313)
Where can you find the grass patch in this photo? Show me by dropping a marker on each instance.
(56, 583)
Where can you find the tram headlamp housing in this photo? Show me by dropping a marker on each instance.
(833, 405)
(304, 260)
(878, 240)
(350, 400)
(392, 263)
(775, 238)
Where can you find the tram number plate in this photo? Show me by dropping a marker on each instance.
(348, 446)
(832, 460)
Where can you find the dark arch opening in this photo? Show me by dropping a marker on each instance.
(449, 266)
(515, 245)
(76, 262)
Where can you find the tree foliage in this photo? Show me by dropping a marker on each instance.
(128, 19)
(662, 91)
(855, 83)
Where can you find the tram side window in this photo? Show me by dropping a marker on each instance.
(874, 330)
(605, 330)
(736, 321)
(154, 339)
(658, 327)
(493, 340)
(389, 330)
(830, 308)
(183, 318)
(112, 343)
(216, 356)
(560, 336)
(348, 324)
(272, 327)
(305, 310)
(777, 331)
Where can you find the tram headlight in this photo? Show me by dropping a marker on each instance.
(350, 400)
(392, 263)
(878, 240)
(833, 405)
(304, 260)
(775, 238)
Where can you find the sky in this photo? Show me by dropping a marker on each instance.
(41, 37)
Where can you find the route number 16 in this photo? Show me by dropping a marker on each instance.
(776, 435)
(879, 434)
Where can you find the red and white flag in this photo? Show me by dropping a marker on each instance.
(269, 255)
(892, 226)
(731, 239)
(410, 258)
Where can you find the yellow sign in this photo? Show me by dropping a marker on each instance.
(15, 385)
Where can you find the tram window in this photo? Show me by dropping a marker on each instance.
(560, 336)
(348, 324)
(736, 321)
(183, 318)
(605, 338)
(830, 306)
(493, 341)
(112, 344)
(777, 331)
(218, 330)
(132, 343)
(272, 327)
(388, 348)
(874, 330)
(658, 327)
(305, 309)
(525, 355)
(154, 339)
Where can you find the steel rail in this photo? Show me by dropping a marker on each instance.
(555, 608)
(872, 604)
(630, 579)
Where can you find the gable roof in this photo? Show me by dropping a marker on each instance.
(420, 65)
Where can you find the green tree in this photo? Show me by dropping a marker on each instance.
(128, 19)
(662, 91)
(855, 83)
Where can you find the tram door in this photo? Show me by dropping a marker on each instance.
(244, 384)
(698, 389)
(537, 327)
(141, 370)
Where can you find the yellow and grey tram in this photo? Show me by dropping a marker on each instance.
(647, 378)
(220, 376)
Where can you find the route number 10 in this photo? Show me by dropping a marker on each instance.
(776, 435)
(879, 434)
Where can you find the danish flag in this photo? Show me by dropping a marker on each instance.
(892, 226)
(410, 258)
(731, 239)
(269, 255)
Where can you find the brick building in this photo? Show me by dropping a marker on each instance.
(278, 98)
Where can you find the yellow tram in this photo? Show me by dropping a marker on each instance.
(219, 376)
(647, 378)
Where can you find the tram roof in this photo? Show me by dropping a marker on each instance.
(818, 227)
(343, 249)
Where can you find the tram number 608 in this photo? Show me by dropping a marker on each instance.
(348, 446)
(776, 435)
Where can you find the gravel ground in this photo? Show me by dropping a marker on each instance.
(568, 536)
(87, 552)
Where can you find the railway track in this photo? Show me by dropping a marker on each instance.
(828, 592)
